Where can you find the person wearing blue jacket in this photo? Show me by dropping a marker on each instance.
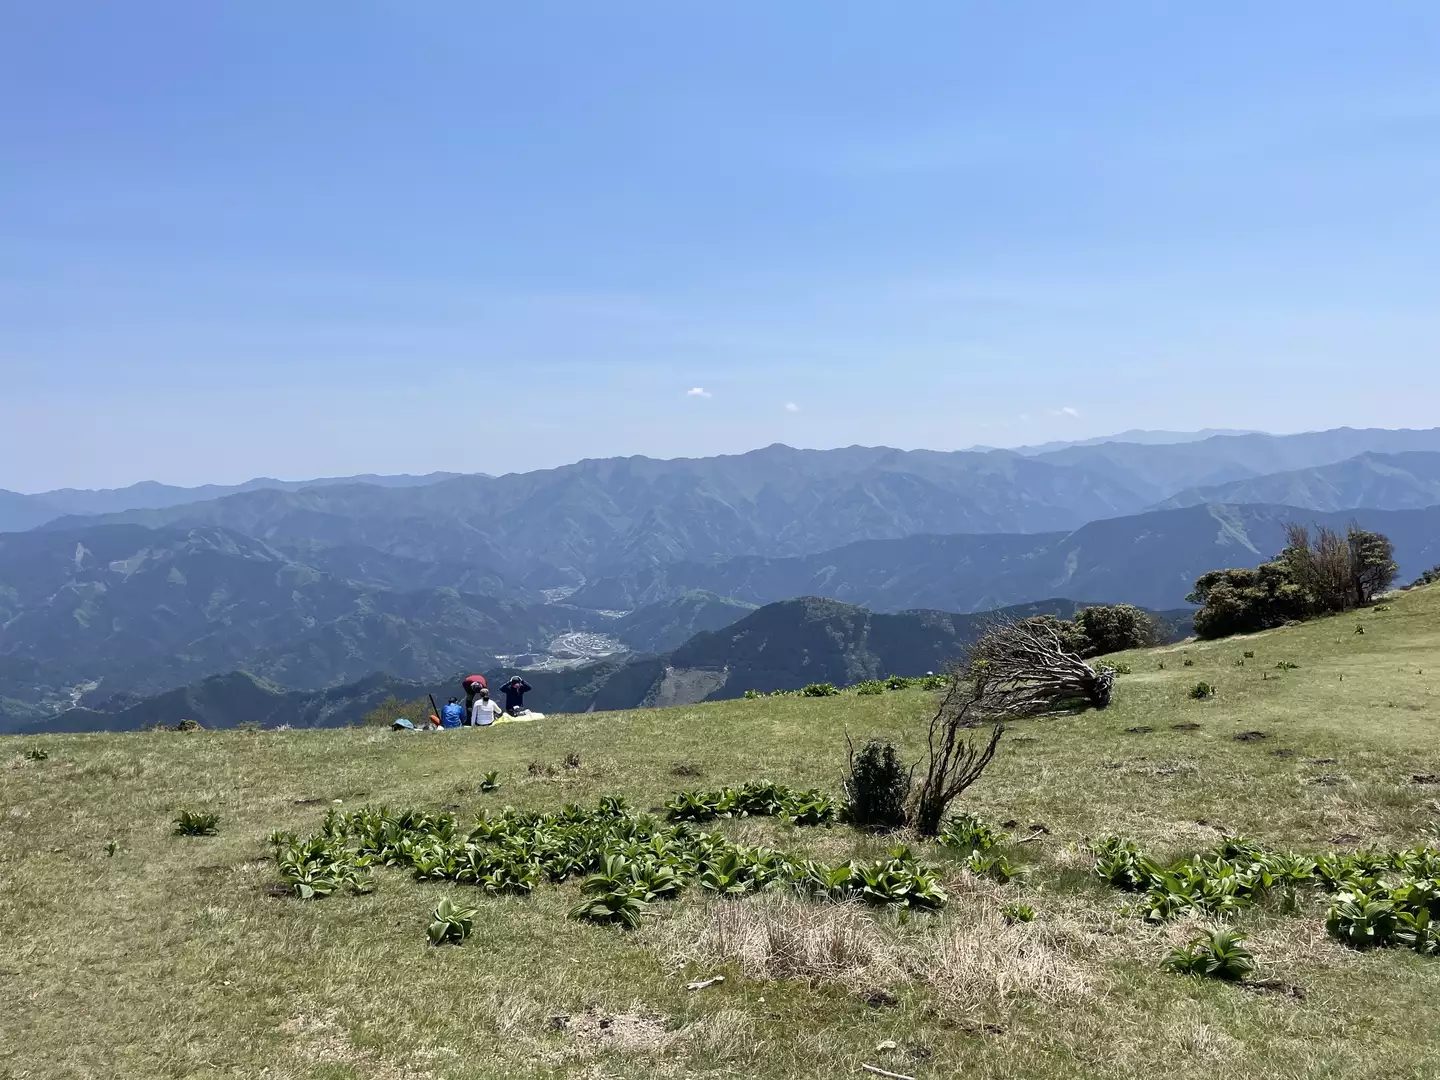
(452, 715)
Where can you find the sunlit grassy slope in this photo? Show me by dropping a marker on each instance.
(173, 957)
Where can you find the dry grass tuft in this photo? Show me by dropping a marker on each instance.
(786, 938)
(968, 958)
(975, 958)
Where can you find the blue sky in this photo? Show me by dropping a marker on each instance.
(307, 239)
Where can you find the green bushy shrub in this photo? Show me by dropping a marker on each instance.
(877, 788)
(820, 689)
(1202, 691)
(1109, 628)
(870, 687)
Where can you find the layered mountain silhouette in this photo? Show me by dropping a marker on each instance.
(1148, 559)
(309, 586)
(27, 511)
(1377, 481)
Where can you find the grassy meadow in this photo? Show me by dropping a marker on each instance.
(128, 951)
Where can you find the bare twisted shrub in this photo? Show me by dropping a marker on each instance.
(952, 765)
(1023, 668)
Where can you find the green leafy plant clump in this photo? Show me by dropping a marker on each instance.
(490, 781)
(1379, 898)
(1202, 691)
(197, 823)
(965, 832)
(820, 689)
(870, 687)
(1018, 913)
(1385, 899)
(993, 865)
(450, 922)
(1214, 954)
(626, 862)
(37, 753)
(758, 798)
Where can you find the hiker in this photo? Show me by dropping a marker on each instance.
(452, 714)
(515, 691)
(472, 685)
(484, 711)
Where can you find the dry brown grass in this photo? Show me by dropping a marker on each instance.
(975, 959)
(785, 938)
(969, 958)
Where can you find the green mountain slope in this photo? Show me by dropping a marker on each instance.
(670, 623)
(1147, 559)
(124, 609)
(1339, 756)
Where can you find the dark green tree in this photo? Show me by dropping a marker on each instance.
(1372, 563)
(1111, 628)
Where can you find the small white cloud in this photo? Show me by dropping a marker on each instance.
(1066, 410)
(697, 391)
(790, 406)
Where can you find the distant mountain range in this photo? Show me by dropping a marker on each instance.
(517, 534)
(19, 512)
(1377, 481)
(1143, 436)
(308, 586)
(778, 647)
(1148, 559)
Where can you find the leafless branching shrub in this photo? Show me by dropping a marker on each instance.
(952, 764)
(1023, 668)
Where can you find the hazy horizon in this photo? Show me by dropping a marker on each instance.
(977, 448)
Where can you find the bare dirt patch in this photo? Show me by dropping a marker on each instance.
(637, 1032)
